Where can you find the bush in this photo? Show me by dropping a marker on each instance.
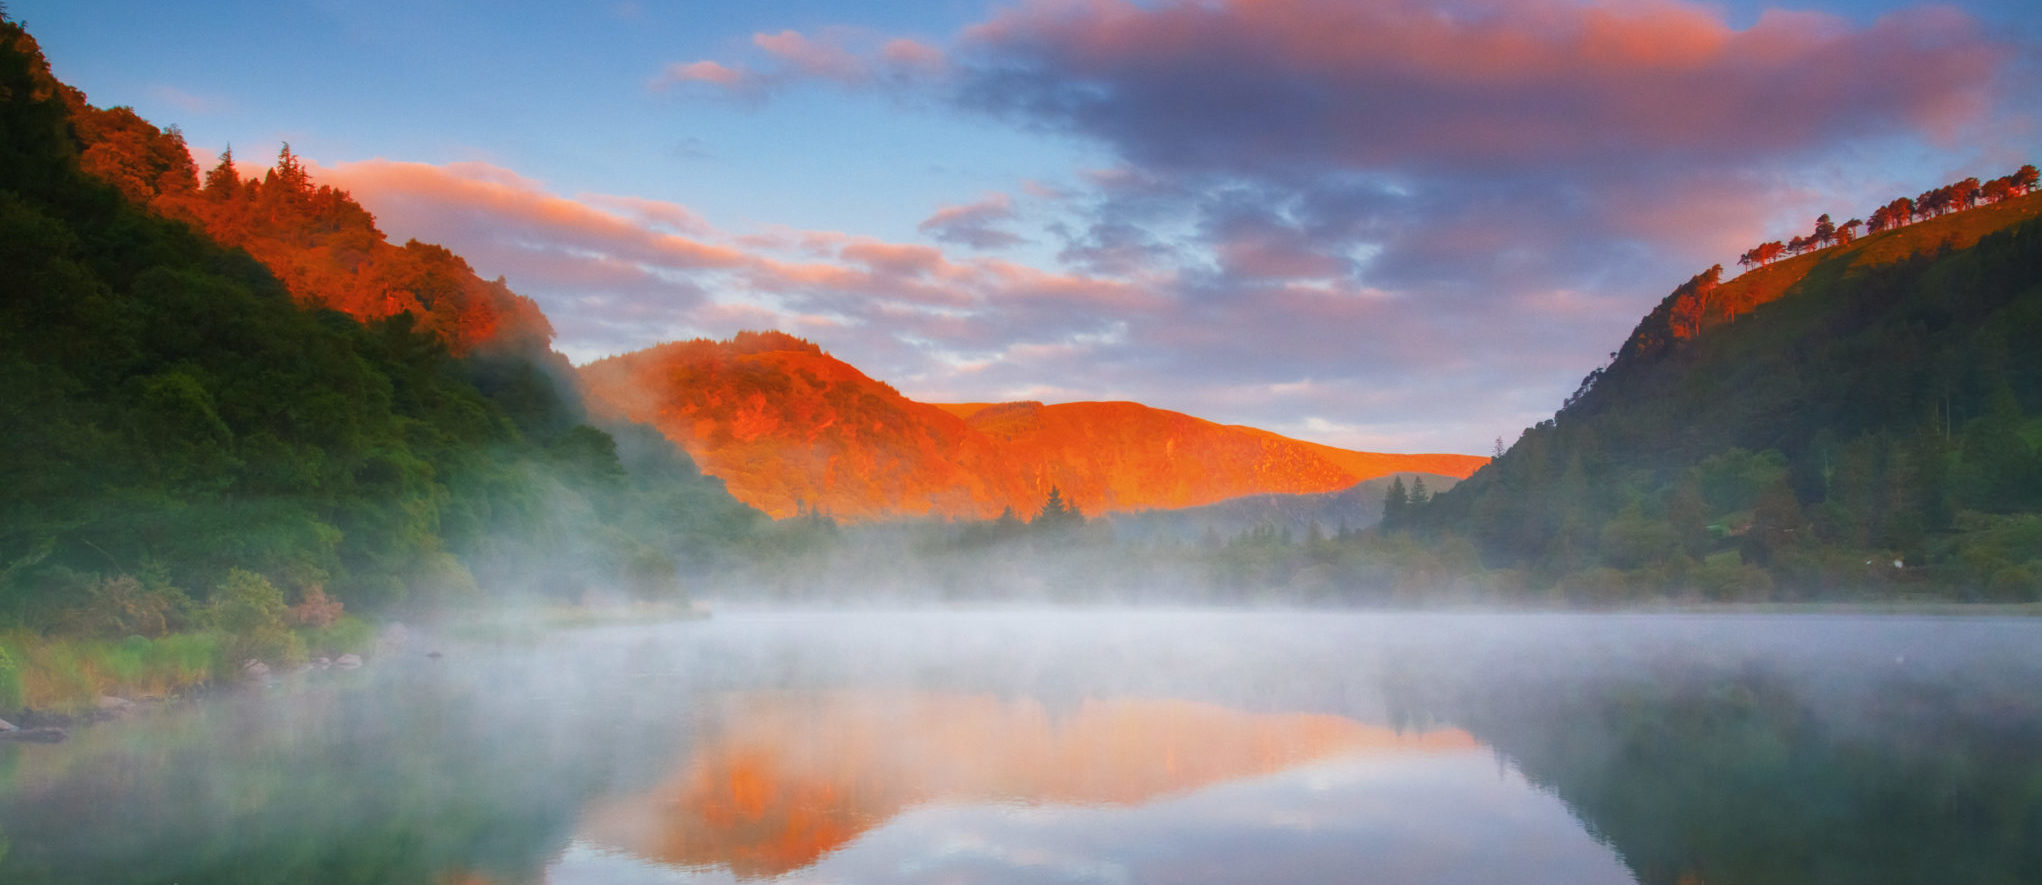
(121, 606)
(2015, 583)
(347, 634)
(250, 612)
(315, 610)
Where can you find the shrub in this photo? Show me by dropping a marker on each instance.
(121, 606)
(315, 609)
(346, 634)
(250, 612)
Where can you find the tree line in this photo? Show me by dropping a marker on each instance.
(1933, 203)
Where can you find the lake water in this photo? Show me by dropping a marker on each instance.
(1082, 747)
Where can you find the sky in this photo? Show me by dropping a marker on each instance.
(1392, 225)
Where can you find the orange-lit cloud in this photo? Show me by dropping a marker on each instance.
(1281, 82)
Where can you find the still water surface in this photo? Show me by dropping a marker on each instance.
(1081, 747)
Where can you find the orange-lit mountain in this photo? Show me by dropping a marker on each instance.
(321, 243)
(789, 428)
(790, 778)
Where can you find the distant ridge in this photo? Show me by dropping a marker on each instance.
(790, 429)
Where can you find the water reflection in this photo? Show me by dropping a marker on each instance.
(789, 777)
(1086, 747)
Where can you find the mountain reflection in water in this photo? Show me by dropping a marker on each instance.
(788, 778)
(1013, 748)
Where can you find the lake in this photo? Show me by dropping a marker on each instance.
(1082, 746)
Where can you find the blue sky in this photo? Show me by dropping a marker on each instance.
(1397, 225)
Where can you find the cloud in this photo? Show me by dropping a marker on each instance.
(850, 57)
(974, 224)
(702, 72)
(1400, 224)
(1272, 85)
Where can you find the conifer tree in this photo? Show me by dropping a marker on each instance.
(223, 181)
(1394, 504)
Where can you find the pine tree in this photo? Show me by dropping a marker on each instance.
(223, 181)
(1057, 513)
(1394, 505)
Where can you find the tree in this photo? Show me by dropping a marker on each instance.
(1825, 231)
(2025, 178)
(1848, 231)
(289, 177)
(1056, 513)
(223, 181)
(1395, 504)
(1964, 194)
(1419, 496)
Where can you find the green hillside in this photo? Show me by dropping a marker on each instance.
(1796, 431)
(169, 415)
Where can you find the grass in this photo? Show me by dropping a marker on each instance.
(68, 675)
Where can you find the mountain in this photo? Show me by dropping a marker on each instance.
(1860, 420)
(791, 429)
(172, 413)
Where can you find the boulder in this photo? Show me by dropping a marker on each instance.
(6, 726)
(254, 669)
(109, 704)
(348, 661)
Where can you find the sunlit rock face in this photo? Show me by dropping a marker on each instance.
(787, 778)
(789, 428)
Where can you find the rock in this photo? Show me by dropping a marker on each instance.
(348, 661)
(6, 726)
(32, 720)
(109, 704)
(254, 669)
(322, 662)
(434, 655)
(39, 735)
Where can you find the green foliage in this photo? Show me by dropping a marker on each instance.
(250, 612)
(345, 635)
(1874, 411)
(167, 404)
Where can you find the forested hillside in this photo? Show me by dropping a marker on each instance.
(1860, 420)
(170, 412)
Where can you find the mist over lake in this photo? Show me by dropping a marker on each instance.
(1083, 745)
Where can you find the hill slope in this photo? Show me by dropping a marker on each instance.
(1797, 430)
(169, 413)
(789, 428)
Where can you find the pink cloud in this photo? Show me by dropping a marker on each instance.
(816, 58)
(1404, 81)
(711, 72)
(974, 224)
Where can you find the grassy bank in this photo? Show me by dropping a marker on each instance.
(68, 675)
